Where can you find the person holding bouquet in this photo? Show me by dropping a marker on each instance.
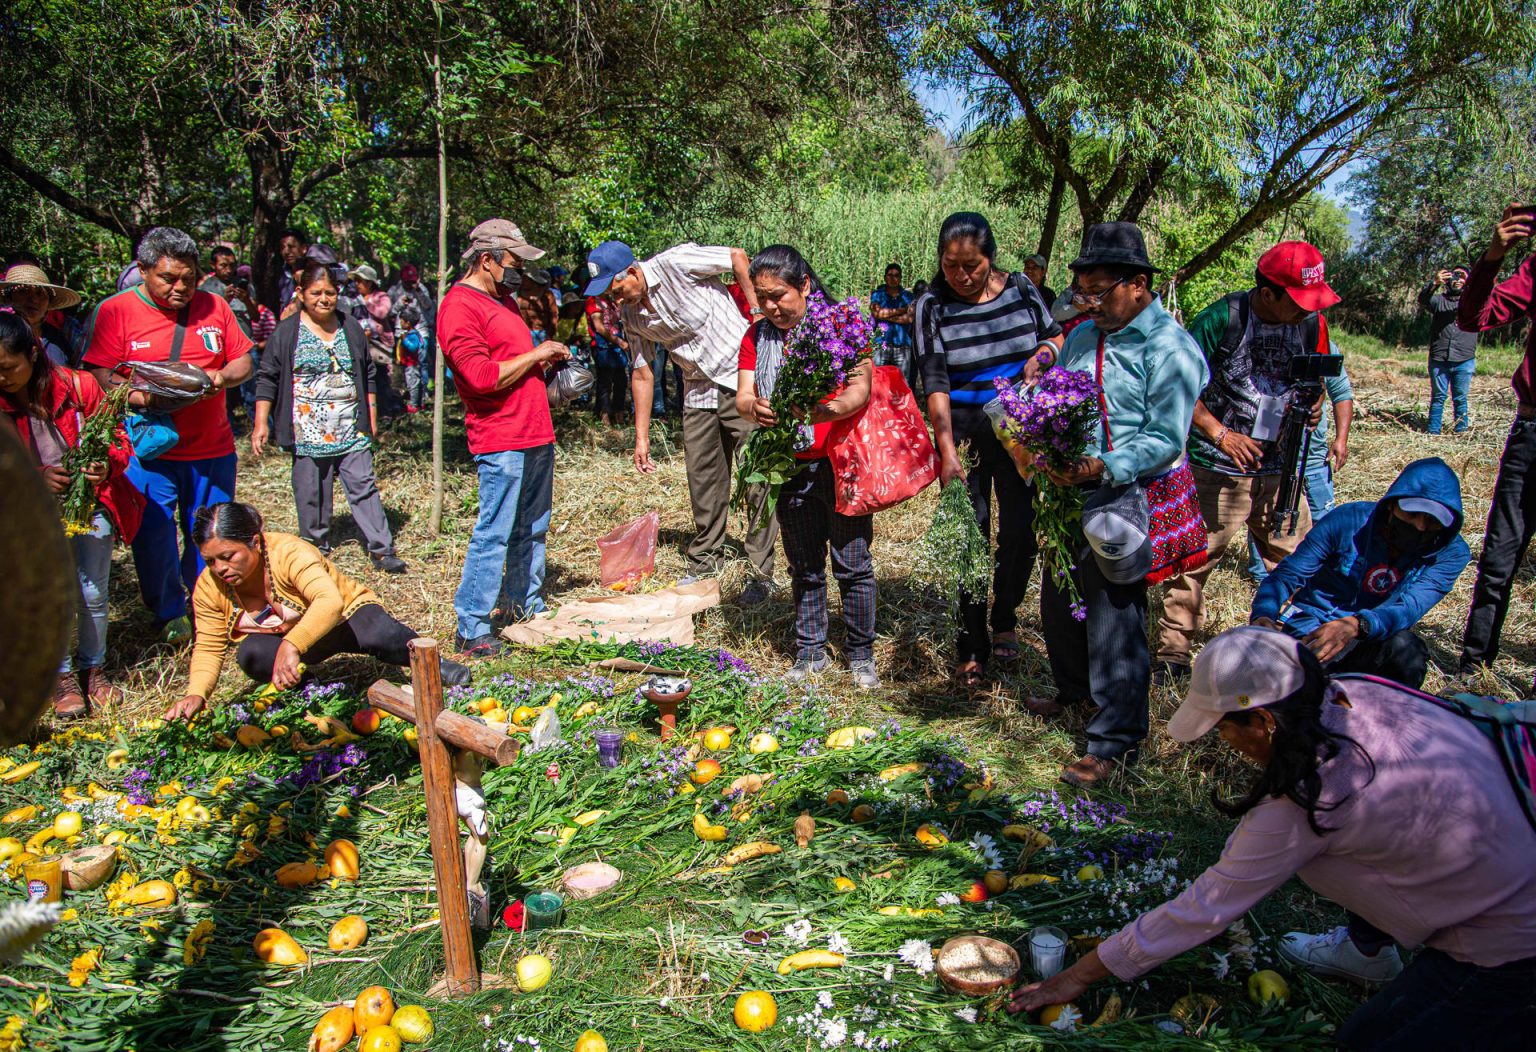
(1149, 372)
(801, 325)
(77, 436)
(976, 324)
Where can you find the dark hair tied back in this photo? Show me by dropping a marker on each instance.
(17, 338)
(787, 264)
(313, 272)
(1298, 750)
(962, 226)
(230, 521)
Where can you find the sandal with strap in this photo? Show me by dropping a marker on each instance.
(972, 675)
(1005, 646)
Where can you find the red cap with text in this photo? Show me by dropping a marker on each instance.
(1298, 268)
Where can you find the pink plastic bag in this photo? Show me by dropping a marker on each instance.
(629, 552)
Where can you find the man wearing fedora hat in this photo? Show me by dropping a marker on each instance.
(1150, 373)
(1249, 339)
(25, 288)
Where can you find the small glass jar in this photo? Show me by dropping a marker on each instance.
(1047, 951)
(610, 746)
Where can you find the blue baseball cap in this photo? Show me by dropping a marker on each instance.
(606, 262)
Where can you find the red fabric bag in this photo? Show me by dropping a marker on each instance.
(882, 455)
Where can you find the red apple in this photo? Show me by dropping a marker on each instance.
(365, 720)
(977, 892)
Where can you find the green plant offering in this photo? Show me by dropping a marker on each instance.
(953, 557)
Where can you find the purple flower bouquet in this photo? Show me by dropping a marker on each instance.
(819, 355)
(1052, 422)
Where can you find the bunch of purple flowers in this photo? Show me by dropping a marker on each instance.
(1052, 421)
(819, 354)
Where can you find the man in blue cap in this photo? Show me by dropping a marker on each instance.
(677, 300)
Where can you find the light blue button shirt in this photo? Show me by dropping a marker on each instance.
(1153, 375)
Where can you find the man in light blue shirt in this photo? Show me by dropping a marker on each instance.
(1151, 373)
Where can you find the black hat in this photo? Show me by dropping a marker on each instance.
(1114, 245)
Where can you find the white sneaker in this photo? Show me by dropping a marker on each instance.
(1335, 953)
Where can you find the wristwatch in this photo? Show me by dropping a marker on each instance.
(756, 312)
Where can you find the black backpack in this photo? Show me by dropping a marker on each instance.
(1237, 325)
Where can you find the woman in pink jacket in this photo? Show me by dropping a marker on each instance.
(1380, 799)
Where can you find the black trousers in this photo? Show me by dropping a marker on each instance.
(370, 630)
(1103, 658)
(1511, 521)
(612, 382)
(1401, 657)
(1439, 1002)
(1014, 551)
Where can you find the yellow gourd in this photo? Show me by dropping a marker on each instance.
(348, 933)
(797, 962)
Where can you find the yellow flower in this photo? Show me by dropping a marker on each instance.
(80, 968)
(10, 1034)
(68, 915)
(221, 785)
(182, 878)
(169, 789)
(197, 942)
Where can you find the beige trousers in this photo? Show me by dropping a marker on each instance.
(1231, 505)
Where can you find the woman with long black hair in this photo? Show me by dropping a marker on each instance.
(976, 324)
(809, 522)
(1380, 798)
(282, 606)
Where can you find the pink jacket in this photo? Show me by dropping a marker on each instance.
(1434, 849)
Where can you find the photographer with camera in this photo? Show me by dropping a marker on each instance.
(1452, 349)
(1241, 466)
(1369, 572)
(1512, 511)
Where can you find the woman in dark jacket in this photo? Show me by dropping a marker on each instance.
(315, 396)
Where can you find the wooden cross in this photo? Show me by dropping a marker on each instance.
(452, 747)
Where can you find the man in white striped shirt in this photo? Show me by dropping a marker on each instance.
(677, 299)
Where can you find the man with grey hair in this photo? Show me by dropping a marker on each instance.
(168, 318)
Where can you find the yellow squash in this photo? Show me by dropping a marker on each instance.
(757, 849)
(797, 962)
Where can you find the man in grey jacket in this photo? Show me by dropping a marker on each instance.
(1452, 350)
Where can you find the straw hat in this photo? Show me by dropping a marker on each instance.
(25, 274)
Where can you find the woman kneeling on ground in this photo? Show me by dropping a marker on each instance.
(808, 518)
(1380, 799)
(283, 605)
(49, 405)
(315, 396)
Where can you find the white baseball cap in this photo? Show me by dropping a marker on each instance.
(1424, 506)
(1243, 668)
(1115, 527)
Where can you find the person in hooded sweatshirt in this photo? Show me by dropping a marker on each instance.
(1367, 573)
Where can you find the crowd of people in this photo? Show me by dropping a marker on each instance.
(1187, 455)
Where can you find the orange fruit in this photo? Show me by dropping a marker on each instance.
(374, 1007)
(705, 772)
(837, 797)
(863, 813)
(348, 933)
(755, 1011)
(379, 1039)
(341, 857)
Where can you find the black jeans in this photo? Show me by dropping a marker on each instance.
(809, 524)
(370, 630)
(1401, 657)
(1103, 658)
(1439, 1002)
(612, 382)
(1511, 521)
(1014, 553)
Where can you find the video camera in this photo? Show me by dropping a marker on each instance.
(1307, 373)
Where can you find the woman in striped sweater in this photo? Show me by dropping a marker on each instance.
(976, 324)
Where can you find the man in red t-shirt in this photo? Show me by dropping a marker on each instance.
(499, 374)
(140, 325)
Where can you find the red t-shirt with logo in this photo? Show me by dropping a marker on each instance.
(477, 332)
(131, 327)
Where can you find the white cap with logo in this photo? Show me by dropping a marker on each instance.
(1243, 668)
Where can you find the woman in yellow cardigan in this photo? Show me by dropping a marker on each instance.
(280, 603)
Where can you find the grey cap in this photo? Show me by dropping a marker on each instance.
(495, 235)
(1115, 523)
(1037, 259)
(365, 272)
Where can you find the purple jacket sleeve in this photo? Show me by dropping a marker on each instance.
(1269, 845)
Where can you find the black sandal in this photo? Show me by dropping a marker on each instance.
(973, 678)
(1005, 649)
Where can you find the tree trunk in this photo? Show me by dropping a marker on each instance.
(1052, 216)
(271, 205)
(442, 278)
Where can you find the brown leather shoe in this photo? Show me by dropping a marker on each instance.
(101, 690)
(68, 702)
(1088, 772)
(1045, 708)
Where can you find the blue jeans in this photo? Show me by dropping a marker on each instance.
(174, 490)
(1319, 499)
(93, 566)
(1457, 378)
(505, 560)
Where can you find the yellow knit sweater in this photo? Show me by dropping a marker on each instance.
(302, 579)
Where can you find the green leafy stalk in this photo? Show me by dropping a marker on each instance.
(953, 557)
(97, 434)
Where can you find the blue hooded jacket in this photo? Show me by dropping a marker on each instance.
(1342, 567)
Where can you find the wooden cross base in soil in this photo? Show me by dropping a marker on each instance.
(443, 737)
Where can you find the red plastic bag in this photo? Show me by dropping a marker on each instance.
(629, 552)
(883, 455)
